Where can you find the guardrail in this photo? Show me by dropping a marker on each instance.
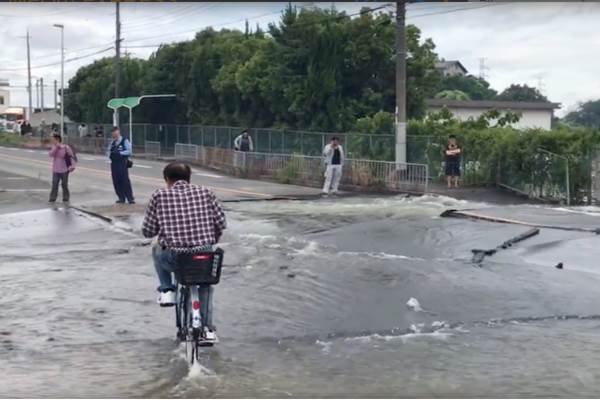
(287, 168)
(309, 170)
(186, 151)
(152, 148)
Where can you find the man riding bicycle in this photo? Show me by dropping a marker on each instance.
(186, 218)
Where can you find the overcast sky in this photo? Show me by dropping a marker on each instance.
(552, 46)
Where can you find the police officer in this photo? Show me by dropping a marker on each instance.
(119, 151)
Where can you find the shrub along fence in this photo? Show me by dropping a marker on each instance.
(555, 166)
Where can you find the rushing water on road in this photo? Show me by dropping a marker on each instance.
(312, 303)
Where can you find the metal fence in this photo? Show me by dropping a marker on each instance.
(186, 151)
(289, 168)
(547, 177)
(309, 170)
(277, 141)
(152, 148)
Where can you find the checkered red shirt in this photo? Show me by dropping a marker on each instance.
(184, 216)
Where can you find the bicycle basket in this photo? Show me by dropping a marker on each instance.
(202, 268)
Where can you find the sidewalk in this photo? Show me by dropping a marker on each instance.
(491, 195)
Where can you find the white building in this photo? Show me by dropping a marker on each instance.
(450, 68)
(533, 114)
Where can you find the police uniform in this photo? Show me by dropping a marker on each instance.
(119, 170)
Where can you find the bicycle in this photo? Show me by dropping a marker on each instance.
(194, 269)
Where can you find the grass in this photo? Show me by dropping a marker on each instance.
(10, 139)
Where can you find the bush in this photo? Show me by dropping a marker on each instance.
(10, 139)
(494, 155)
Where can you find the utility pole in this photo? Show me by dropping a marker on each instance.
(30, 110)
(62, 77)
(482, 68)
(400, 84)
(117, 61)
(37, 93)
(55, 95)
(42, 92)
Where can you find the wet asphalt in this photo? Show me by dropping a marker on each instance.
(312, 302)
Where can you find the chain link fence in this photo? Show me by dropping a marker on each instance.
(279, 141)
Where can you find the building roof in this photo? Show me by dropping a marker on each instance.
(489, 104)
(446, 64)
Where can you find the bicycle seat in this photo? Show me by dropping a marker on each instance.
(199, 268)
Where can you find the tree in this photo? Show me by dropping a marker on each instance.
(587, 114)
(93, 86)
(521, 93)
(453, 95)
(475, 88)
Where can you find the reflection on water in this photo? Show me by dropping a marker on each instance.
(312, 303)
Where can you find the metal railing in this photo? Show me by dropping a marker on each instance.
(186, 151)
(152, 148)
(276, 141)
(309, 170)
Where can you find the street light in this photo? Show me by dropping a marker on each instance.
(62, 77)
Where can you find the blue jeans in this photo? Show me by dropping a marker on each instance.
(165, 262)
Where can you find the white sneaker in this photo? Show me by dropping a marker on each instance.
(166, 299)
(210, 336)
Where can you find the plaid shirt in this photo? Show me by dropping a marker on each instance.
(184, 216)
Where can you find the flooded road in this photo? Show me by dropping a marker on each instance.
(312, 303)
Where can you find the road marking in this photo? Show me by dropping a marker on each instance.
(12, 148)
(89, 159)
(141, 166)
(23, 190)
(208, 175)
(13, 178)
(146, 179)
(30, 151)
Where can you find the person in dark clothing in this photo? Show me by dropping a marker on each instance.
(119, 151)
(452, 153)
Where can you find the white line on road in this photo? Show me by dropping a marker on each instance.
(12, 148)
(30, 151)
(23, 190)
(89, 159)
(208, 175)
(141, 166)
(13, 178)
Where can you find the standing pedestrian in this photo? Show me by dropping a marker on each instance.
(63, 162)
(452, 153)
(243, 142)
(334, 162)
(82, 130)
(119, 151)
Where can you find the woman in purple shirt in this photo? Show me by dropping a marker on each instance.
(60, 171)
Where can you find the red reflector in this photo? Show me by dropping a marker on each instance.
(201, 257)
(196, 305)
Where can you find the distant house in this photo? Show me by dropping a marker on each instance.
(450, 68)
(534, 114)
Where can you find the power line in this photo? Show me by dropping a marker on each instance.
(58, 63)
(323, 20)
(170, 19)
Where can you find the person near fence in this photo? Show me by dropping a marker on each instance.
(82, 129)
(243, 142)
(184, 217)
(63, 162)
(334, 162)
(452, 153)
(118, 152)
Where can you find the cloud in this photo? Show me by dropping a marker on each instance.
(521, 42)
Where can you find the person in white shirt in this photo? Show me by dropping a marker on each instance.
(334, 162)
